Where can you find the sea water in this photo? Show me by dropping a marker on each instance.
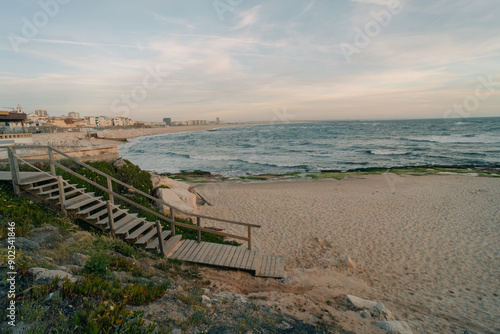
(319, 146)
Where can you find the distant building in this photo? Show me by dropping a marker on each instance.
(167, 121)
(41, 112)
(217, 120)
(74, 115)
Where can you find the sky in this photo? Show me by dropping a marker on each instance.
(244, 60)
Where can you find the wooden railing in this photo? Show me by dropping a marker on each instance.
(14, 159)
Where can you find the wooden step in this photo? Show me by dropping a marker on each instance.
(82, 202)
(118, 220)
(35, 179)
(124, 229)
(90, 209)
(146, 238)
(171, 244)
(69, 193)
(50, 191)
(271, 266)
(154, 244)
(34, 189)
(75, 199)
(137, 233)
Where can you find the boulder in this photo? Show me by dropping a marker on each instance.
(24, 244)
(119, 163)
(45, 234)
(376, 309)
(361, 304)
(187, 197)
(79, 259)
(394, 327)
(232, 297)
(159, 181)
(206, 301)
(44, 276)
(170, 197)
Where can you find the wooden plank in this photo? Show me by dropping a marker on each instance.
(235, 257)
(139, 231)
(272, 267)
(212, 254)
(193, 250)
(180, 254)
(204, 247)
(244, 259)
(216, 255)
(207, 253)
(146, 238)
(181, 248)
(280, 266)
(240, 258)
(256, 262)
(170, 245)
(222, 255)
(249, 263)
(229, 256)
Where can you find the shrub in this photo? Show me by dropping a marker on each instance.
(98, 264)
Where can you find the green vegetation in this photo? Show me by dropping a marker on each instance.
(415, 171)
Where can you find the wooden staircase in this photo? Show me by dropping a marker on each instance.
(142, 233)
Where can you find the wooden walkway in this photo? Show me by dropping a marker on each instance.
(206, 253)
(230, 257)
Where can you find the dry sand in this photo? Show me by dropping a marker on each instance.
(428, 247)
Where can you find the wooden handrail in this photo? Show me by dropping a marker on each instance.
(147, 195)
(113, 195)
(193, 227)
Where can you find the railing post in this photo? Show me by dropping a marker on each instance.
(250, 237)
(14, 171)
(110, 187)
(111, 220)
(172, 224)
(198, 223)
(51, 160)
(160, 241)
(62, 200)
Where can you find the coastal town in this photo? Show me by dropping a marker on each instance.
(15, 120)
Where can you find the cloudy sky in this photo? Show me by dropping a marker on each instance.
(244, 60)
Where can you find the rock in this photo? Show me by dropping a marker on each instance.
(170, 197)
(361, 304)
(382, 313)
(159, 280)
(394, 327)
(53, 295)
(44, 276)
(376, 309)
(176, 331)
(119, 163)
(74, 269)
(168, 182)
(24, 244)
(348, 262)
(45, 234)
(232, 297)
(206, 301)
(206, 291)
(79, 259)
(285, 280)
(187, 197)
(365, 315)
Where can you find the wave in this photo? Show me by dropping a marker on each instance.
(465, 139)
(388, 152)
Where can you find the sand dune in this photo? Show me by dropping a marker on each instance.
(427, 246)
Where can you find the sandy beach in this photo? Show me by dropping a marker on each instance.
(426, 246)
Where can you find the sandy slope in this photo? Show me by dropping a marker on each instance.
(427, 246)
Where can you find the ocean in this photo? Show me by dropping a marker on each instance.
(320, 146)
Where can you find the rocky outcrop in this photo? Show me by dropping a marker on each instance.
(394, 327)
(44, 276)
(178, 194)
